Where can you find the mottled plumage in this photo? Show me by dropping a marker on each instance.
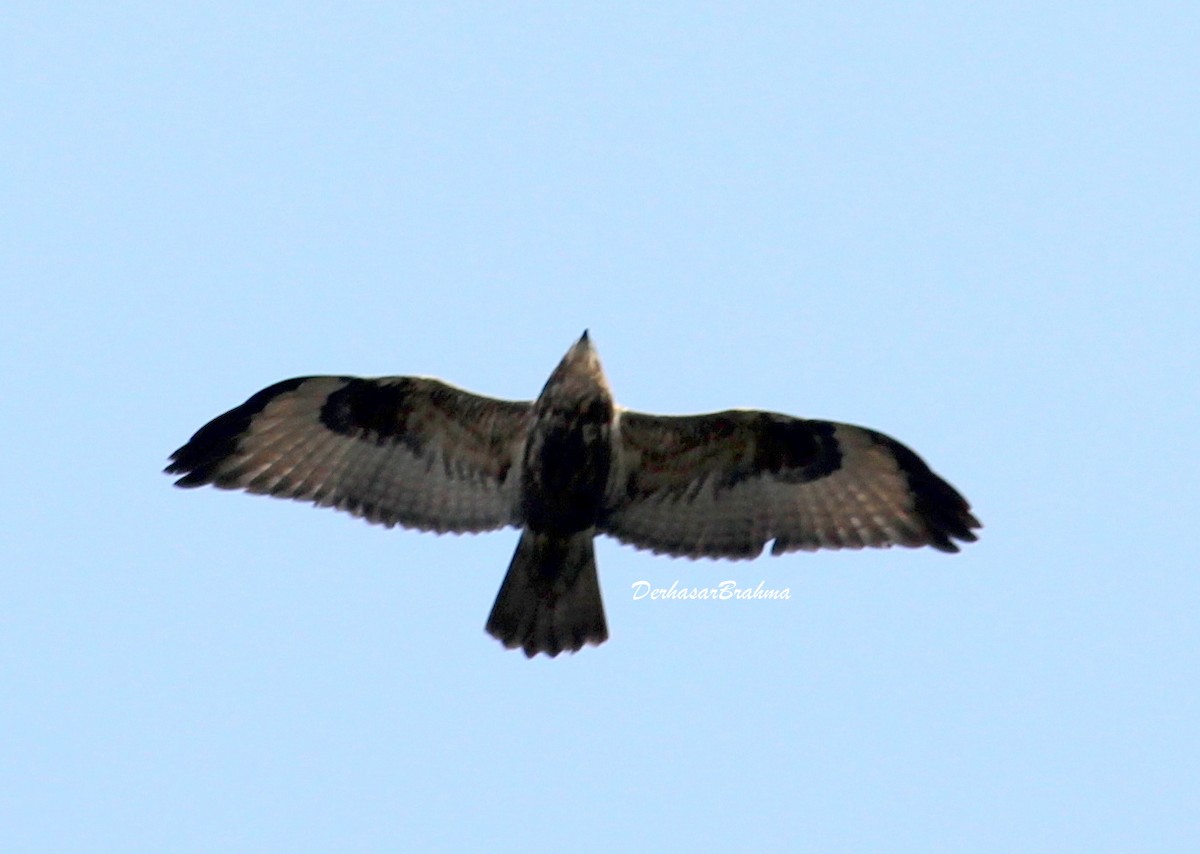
(421, 453)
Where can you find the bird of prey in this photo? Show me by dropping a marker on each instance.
(418, 452)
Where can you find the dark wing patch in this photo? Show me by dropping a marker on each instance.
(373, 410)
(395, 450)
(726, 484)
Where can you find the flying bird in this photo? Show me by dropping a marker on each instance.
(418, 452)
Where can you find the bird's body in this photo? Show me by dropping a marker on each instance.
(420, 453)
(550, 598)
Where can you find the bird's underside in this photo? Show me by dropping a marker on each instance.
(420, 453)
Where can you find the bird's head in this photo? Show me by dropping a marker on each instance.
(579, 378)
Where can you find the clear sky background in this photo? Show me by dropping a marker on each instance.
(973, 226)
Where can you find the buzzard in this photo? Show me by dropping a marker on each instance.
(418, 452)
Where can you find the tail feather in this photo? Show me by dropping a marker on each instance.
(550, 599)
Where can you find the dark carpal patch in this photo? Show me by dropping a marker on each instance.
(213, 443)
(795, 449)
(372, 410)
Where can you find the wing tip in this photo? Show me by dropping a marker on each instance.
(944, 513)
(200, 457)
(947, 520)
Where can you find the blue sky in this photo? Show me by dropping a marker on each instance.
(972, 226)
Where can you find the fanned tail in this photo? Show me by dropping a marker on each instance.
(550, 599)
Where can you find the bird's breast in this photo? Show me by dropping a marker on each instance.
(565, 476)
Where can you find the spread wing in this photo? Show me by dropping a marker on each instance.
(726, 484)
(395, 450)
